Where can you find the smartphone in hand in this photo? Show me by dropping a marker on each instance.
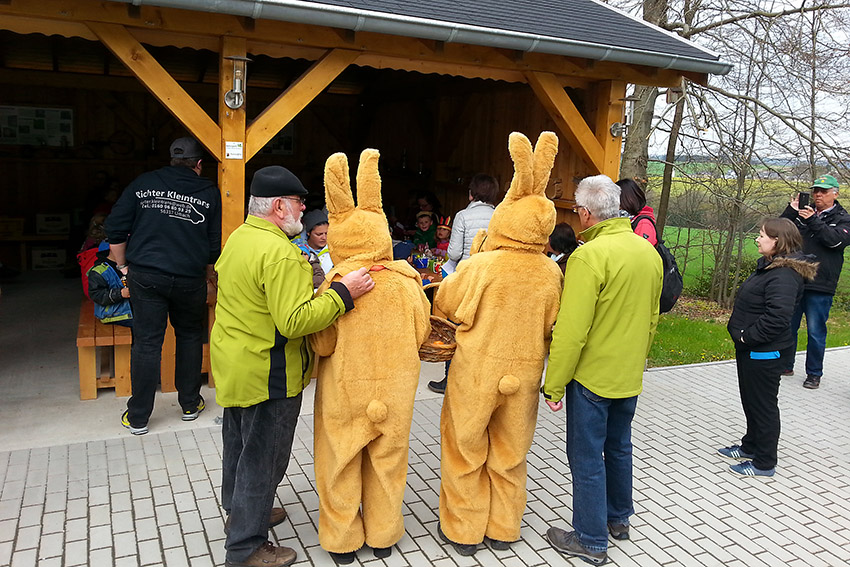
(803, 201)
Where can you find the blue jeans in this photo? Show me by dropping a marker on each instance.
(599, 451)
(257, 442)
(816, 306)
(156, 298)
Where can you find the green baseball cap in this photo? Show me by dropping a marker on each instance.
(825, 182)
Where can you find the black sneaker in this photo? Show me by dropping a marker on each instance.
(438, 386)
(567, 543)
(193, 415)
(812, 382)
(619, 531)
(464, 549)
(497, 544)
(343, 558)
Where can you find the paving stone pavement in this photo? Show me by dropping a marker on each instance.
(154, 500)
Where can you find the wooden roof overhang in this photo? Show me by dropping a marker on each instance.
(124, 28)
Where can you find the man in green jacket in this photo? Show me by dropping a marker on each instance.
(261, 358)
(605, 326)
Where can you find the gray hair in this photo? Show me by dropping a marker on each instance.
(600, 196)
(260, 206)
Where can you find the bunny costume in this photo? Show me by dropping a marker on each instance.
(505, 298)
(367, 380)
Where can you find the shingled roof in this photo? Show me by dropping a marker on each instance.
(575, 28)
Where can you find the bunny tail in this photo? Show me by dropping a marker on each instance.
(508, 385)
(376, 411)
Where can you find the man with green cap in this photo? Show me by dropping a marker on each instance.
(825, 228)
(262, 360)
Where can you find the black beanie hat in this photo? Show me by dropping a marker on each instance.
(276, 181)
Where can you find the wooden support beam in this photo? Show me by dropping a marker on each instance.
(162, 85)
(293, 100)
(231, 173)
(567, 118)
(609, 109)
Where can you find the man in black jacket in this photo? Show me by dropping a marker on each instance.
(165, 233)
(826, 232)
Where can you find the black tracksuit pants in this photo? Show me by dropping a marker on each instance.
(758, 381)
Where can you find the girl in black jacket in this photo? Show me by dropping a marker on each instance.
(760, 326)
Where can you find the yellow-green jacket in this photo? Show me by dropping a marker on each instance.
(608, 314)
(265, 310)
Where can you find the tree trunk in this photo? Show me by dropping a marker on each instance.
(669, 160)
(635, 156)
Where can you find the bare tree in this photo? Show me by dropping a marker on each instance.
(789, 95)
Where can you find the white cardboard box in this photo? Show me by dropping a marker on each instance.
(48, 258)
(58, 223)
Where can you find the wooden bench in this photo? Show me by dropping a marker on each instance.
(113, 368)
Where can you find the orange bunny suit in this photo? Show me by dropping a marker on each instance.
(505, 298)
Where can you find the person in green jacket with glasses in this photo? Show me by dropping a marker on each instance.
(609, 312)
(261, 358)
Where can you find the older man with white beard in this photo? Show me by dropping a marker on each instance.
(262, 360)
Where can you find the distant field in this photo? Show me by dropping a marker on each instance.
(700, 258)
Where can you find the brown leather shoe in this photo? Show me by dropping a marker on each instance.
(277, 516)
(267, 555)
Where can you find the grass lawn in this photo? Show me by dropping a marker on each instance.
(701, 258)
(695, 331)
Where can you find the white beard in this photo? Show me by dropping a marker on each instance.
(292, 227)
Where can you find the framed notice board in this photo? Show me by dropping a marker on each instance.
(36, 126)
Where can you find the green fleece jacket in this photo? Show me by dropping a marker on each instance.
(264, 312)
(608, 314)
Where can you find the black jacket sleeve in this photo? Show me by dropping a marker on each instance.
(119, 223)
(837, 236)
(780, 296)
(214, 232)
(789, 213)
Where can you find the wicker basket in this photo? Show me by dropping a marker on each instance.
(441, 344)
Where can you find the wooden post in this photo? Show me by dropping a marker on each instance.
(231, 172)
(609, 109)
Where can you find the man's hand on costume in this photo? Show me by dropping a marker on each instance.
(555, 406)
(358, 282)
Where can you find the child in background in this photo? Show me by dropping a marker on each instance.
(442, 235)
(106, 288)
(425, 236)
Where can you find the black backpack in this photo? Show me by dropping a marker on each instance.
(671, 289)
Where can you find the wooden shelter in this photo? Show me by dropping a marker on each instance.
(435, 85)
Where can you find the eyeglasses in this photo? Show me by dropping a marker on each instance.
(577, 207)
(294, 198)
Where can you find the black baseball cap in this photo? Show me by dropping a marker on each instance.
(186, 148)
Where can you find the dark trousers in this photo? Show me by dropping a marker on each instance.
(257, 443)
(155, 298)
(758, 381)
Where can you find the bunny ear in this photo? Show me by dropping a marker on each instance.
(523, 180)
(338, 185)
(544, 158)
(369, 182)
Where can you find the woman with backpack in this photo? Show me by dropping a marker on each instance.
(633, 201)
